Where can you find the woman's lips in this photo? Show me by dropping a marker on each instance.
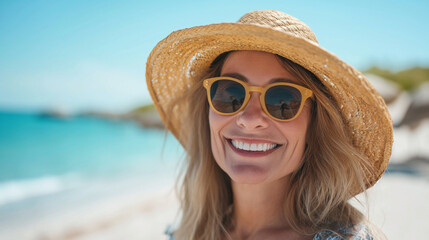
(252, 149)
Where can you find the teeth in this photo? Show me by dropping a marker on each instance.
(253, 147)
(246, 146)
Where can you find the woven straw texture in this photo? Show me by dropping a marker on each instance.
(181, 59)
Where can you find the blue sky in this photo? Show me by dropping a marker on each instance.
(91, 55)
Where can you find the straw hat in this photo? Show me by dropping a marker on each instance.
(183, 58)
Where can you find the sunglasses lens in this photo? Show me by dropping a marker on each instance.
(283, 102)
(227, 96)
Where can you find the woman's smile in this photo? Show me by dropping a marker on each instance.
(253, 147)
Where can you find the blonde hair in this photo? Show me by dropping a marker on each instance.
(320, 188)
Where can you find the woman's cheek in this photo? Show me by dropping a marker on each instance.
(217, 123)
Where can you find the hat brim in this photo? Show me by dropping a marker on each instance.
(184, 57)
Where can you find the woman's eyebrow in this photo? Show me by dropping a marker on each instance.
(235, 75)
(244, 79)
(274, 80)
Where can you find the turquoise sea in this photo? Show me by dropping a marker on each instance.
(48, 164)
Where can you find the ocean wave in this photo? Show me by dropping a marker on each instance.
(18, 190)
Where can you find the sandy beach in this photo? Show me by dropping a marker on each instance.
(397, 204)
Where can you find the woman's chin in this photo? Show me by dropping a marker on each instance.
(247, 174)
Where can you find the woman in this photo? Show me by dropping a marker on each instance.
(279, 133)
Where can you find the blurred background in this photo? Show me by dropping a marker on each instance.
(83, 154)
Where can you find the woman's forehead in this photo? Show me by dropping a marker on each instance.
(255, 67)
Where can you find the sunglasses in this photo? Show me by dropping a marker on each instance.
(281, 101)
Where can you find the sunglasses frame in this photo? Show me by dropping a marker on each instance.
(305, 93)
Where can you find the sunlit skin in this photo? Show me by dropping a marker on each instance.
(259, 181)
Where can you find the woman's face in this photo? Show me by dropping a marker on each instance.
(253, 126)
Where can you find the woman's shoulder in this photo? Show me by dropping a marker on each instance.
(360, 231)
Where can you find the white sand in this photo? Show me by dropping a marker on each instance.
(398, 205)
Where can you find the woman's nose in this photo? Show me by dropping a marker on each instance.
(253, 116)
